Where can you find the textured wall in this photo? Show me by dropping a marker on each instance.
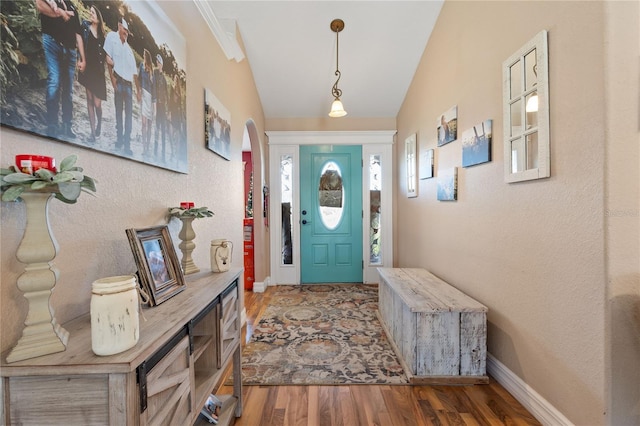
(533, 252)
(622, 214)
(91, 234)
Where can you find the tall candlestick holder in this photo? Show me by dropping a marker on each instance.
(42, 334)
(187, 235)
(36, 181)
(187, 212)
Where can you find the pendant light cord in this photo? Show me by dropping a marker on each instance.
(335, 91)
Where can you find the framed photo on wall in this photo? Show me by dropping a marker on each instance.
(476, 144)
(426, 164)
(135, 111)
(217, 126)
(448, 185)
(447, 126)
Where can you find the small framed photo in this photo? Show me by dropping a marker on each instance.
(447, 126)
(158, 265)
(448, 185)
(426, 164)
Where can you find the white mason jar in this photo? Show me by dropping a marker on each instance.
(221, 251)
(115, 326)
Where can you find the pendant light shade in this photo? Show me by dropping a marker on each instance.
(337, 109)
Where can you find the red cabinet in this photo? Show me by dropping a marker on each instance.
(249, 268)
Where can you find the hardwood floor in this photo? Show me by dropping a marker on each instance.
(365, 405)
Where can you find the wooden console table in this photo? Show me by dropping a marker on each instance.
(185, 346)
(438, 332)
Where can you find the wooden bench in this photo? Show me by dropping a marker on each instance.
(438, 332)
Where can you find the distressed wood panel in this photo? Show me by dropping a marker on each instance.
(123, 397)
(31, 399)
(409, 338)
(230, 324)
(168, 389)
(384, 302)
(438, 347)
(444, 292)
(473, 344)
(397, 326)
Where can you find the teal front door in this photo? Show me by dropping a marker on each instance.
(330, 214)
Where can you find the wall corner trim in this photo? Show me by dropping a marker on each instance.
(541, 409)
(223, 31)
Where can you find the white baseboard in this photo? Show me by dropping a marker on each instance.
(259, 287)
(539, 407)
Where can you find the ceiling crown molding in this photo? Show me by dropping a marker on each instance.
(223, 30)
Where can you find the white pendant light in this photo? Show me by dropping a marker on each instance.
(337, 109)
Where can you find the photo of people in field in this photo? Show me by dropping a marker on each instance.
(106, 75)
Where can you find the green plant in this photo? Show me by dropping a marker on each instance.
(195, 212)
(67, 183)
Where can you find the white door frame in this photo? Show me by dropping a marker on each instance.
(288, 143)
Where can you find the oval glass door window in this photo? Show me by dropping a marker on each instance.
(331, 195)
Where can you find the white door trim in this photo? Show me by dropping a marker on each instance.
(287, 143)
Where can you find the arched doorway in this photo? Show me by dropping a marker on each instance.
(254, 168)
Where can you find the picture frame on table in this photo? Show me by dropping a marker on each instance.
(159, 269)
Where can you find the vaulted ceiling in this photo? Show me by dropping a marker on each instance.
(292, 52)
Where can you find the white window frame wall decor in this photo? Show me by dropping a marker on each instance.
(410, 153)
(288, 143)
(524, 159)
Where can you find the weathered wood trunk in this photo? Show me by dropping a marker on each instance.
(439, 333)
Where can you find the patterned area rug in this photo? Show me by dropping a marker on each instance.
(321, 335)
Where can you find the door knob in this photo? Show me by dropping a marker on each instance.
(304, 221)
(304, 212)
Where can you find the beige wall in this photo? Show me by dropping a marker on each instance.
(535, 252)
(622, 214)
(91, 234)
(329, 124)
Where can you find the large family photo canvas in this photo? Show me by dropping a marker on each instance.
(105, 75)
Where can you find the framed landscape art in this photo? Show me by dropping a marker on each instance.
(147, 123)
(476, 144)
(448, 185)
